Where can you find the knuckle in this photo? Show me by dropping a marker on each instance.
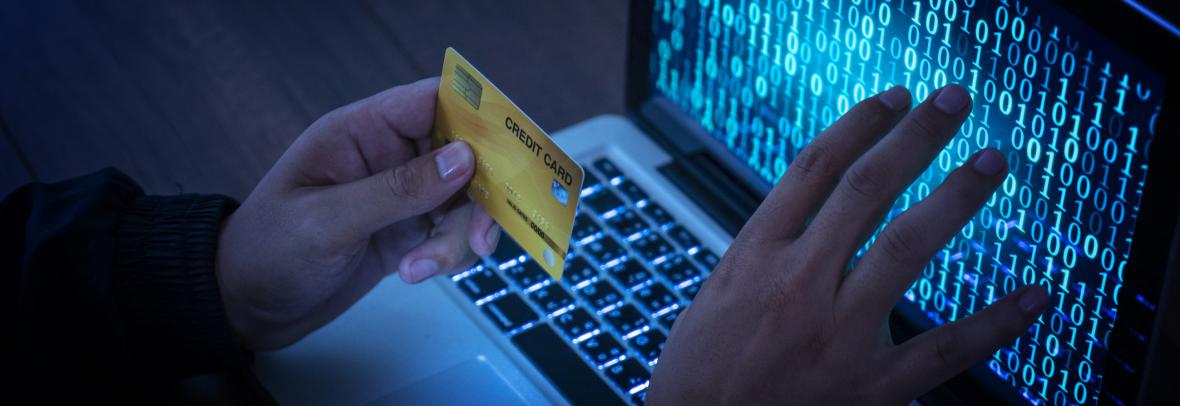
(948, 348)
(867, 181)
(964, 196)
(871, 108)
(787, 288)
(814, 164)
(782, 294)
(960, 195)
(340, 118)
(452, 265)
(871, 388)
(404, 183)
(923, 126)
(1010, 327)
(967, 189)
(901, 241)
(337, 114)
(732, 266)
(333, 116)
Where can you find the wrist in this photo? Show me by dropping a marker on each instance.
(259, 307)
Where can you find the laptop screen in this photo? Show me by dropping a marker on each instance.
(1074, 114)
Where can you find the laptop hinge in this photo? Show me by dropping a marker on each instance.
(718, 195)
(720, 192)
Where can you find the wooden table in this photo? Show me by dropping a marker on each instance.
(203, 96)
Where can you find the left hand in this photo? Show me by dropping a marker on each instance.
(783, 320)
(358, 196)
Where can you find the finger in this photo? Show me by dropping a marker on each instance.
(929, 359)
(407, 110)
(416, 187)
(815, 171)
(874, 181)
(906, 245)
(386, 129)
(483, 233)
(445, 251)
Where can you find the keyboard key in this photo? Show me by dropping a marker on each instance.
(652, 246)
(527, 274)
(683, 237)
(604, 249)
(655, 297)
(600, 294)
(630, 274)
(608, 168)
(603, 201)
(627, 223)
(657, 214)
(481, 284)
(639, 398)
(506, 250)
(585, 227)
(509, 312)
(578, 270)
(590, 181)
(668, 318)
(625, 318)
(575, 323)
(690, 291)
(678, 270)
(648, 344)
(602, 348)
(632, 191)
(707, 258)
(628, 374)
(551, 298)
(564, 367)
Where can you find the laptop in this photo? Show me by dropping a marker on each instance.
(721, 96)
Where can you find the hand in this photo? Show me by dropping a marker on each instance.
(358, 196)
(780, 321)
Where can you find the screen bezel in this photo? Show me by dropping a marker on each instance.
(1124, 27)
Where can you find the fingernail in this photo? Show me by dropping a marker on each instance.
(452, 159)
(493, 236)
(951, 99)
(1033, 300)
(896, 98)
(421, 269)
(989, 162)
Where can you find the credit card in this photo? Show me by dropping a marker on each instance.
(522, 178)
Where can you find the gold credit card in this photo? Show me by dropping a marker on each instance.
(522, 178)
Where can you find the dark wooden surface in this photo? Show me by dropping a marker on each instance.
(204, 96)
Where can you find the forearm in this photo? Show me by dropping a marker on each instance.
(115, 291)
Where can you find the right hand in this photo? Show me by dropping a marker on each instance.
(780, 321)
(359, 196)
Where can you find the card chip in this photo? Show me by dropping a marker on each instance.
(467, 86)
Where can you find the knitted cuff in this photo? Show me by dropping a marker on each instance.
(166, 286)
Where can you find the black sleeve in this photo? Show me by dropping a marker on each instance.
(116, 295)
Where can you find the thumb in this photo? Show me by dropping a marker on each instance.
(416, 187)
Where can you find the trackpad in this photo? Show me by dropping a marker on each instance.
(470, 383)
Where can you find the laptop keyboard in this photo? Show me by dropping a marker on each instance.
(598, 333)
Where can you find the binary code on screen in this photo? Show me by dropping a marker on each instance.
(1073, 114)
